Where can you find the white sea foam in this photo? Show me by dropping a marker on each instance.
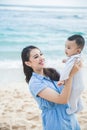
(10, 64)
(41, 8)
(17, 64)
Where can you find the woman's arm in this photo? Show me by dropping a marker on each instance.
(53, 96)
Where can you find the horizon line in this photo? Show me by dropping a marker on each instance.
(43, 6)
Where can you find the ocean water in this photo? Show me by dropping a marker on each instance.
(45, 27)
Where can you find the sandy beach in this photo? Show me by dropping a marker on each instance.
(19, 111)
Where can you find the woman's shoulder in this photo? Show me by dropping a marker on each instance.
(36, 80)
(36, 84)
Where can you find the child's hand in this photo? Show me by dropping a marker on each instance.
(60, 83)
(64, 60)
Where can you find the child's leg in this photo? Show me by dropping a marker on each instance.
(80, 105)
(73, 102)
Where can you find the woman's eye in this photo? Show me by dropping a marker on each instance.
(68, 47)
(36, 57)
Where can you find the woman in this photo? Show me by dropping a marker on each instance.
(52, 100)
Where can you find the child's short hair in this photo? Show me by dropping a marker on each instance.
(80, 41)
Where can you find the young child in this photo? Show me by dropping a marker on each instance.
(73, 48)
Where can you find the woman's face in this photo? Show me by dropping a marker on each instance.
(36, 60)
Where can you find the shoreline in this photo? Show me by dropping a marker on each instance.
(10, 76)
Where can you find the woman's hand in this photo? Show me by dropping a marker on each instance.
(77, 66)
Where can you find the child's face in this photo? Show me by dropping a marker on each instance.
(71, 48)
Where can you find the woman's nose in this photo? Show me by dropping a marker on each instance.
(41, 57)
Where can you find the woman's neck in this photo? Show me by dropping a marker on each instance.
(39, 72)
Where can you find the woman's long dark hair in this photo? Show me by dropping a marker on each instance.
(25, 55)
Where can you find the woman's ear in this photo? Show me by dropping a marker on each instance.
(27, 63)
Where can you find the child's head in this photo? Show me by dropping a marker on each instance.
(74, 45)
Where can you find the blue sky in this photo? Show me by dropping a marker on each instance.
(78, 3)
